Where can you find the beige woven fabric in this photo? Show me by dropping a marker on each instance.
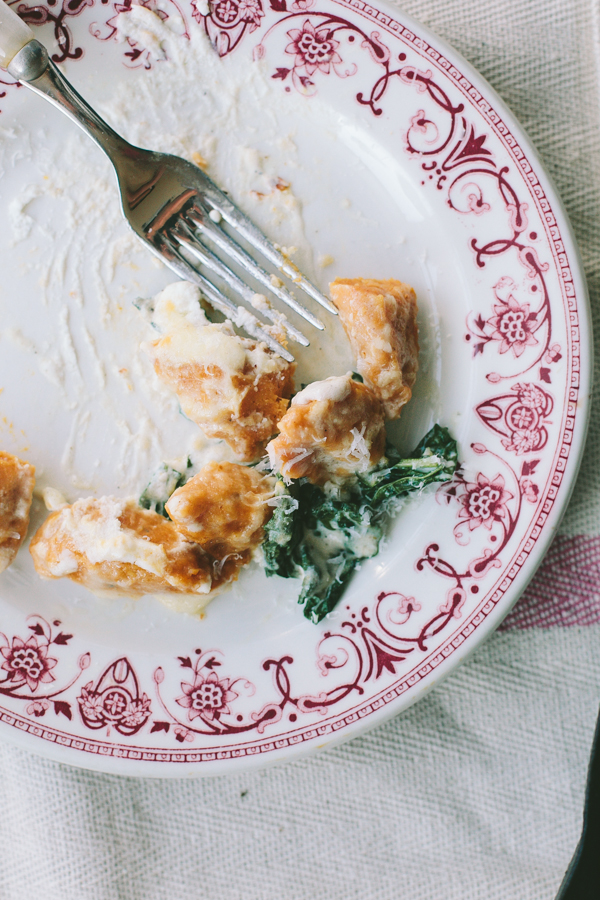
(473, 794)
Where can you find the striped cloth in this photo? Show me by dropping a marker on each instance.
(476, 792)
(566, 589)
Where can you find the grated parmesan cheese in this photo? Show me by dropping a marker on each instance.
(359, 449)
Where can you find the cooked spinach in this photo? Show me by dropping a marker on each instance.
(435, 458)
(284, 533)
(163, 482)
(321, 537)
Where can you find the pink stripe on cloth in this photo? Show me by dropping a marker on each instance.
(565, 590)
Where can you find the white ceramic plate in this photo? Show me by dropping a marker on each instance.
(402, 162)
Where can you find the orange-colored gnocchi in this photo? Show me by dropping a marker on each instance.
(233, 388)
(332, 430)
(380, 319)
(113, 546)
(17, 479)
(224, 508)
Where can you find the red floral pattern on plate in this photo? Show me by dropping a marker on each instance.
(484, 502)
(115, 701)
(521, 417)
(29, 667)
(313, 48)
(28, 661)
(513, 326)
(207, 697)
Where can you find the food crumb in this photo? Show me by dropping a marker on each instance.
(259, 301)
(326, 260)
(199, 160)
(53, 499)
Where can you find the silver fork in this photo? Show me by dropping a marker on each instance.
(171, 204)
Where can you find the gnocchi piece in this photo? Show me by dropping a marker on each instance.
(380, 319)
(332, 430)
(113, 547)
(233, 388)
(224, 508)
(17, 479)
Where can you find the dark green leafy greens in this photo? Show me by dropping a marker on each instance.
(162, 483)
(321, 537)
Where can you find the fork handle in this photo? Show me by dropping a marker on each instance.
(583, 875)
(14, 34)
(27, 60)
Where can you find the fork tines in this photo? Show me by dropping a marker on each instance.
(187, 239)
(243, 318)
(248, 230)
(208, 228)
(199, 224)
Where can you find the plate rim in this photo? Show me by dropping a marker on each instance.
(134, 768)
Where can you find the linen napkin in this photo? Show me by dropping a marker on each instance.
(477, 791)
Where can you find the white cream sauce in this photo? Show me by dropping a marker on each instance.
(335, 388)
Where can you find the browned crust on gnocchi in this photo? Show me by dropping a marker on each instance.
(241, 408)
(114, 546)
(224, 508)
